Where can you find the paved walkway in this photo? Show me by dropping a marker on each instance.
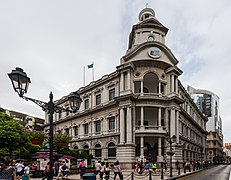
(127, 175)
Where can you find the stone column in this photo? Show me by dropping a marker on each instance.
(159, 88)
(166, 119)
(142, 87)
(172, 82)
(159, 157)
(122, 140)
(142, 117)
(159, 117)
(129, 126)
(141, 147)
(172, 123)
(122, 81)
(129, 80)
(176, 84)
(177, 127)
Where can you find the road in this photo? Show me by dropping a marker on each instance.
(216, 173)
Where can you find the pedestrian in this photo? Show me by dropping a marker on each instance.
(46, 171)
(66, 169)
(82, 168)
(154, 167)
(26, 175)
(7, 172)
(102, 170)
(177, 164)
(107, 171)
(117, 170)
(62, 166)
(56, 167)
(19, 169)
(34, 168)
(97, 167)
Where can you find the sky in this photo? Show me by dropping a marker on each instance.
(52, 40)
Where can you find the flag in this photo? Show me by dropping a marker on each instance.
(90, 66)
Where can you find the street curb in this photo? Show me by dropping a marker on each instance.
(189, 173)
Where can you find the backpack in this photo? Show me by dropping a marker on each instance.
(64, 167)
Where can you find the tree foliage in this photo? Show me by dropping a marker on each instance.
(13, 138)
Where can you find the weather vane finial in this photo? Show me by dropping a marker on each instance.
(146, 5)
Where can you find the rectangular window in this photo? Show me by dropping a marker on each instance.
(111, 121)
(98, 99)
(67, 131)
(85, 129)
(111, 94)
(86, 103)
(76, 131)
(97, 126)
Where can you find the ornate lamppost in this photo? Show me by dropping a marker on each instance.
(20, 83)
(170, 140)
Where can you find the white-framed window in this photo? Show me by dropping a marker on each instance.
(111, 150)
(111, 123)
(67, 131)
(111, 94)
(86, 104)
(98, 99)
(97, 126)
(86, 129)
(98, 151)
(76, 131)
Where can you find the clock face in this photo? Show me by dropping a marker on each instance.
(154, 52)
(151, 38)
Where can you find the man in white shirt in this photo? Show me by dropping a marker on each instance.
(19, 169)
(97, 167)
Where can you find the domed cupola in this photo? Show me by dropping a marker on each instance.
(147, 29)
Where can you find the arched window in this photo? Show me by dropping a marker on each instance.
(86, 149)
(111, 150)
(98, 151)
(151, 83)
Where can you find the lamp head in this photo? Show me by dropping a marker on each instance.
(19, 80)
(74, 101)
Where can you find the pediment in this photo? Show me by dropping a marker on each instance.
(153, 52)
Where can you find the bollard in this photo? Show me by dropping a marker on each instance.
(162, 173)
(178, 170)
(193, 168)
(132, 178)
(150, 175)
(184, 170)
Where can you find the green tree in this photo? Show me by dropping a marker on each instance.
(13, 138)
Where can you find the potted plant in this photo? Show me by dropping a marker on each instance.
(61, 140)
(37, 137)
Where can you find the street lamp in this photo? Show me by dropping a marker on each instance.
(171, 152)
(20, 83)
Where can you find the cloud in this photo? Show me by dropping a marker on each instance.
(53, 40)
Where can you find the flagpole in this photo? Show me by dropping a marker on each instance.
(84, 75)
(93, 72)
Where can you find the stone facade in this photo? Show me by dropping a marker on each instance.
(127, 114)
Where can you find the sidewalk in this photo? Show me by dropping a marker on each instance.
(127, 174)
